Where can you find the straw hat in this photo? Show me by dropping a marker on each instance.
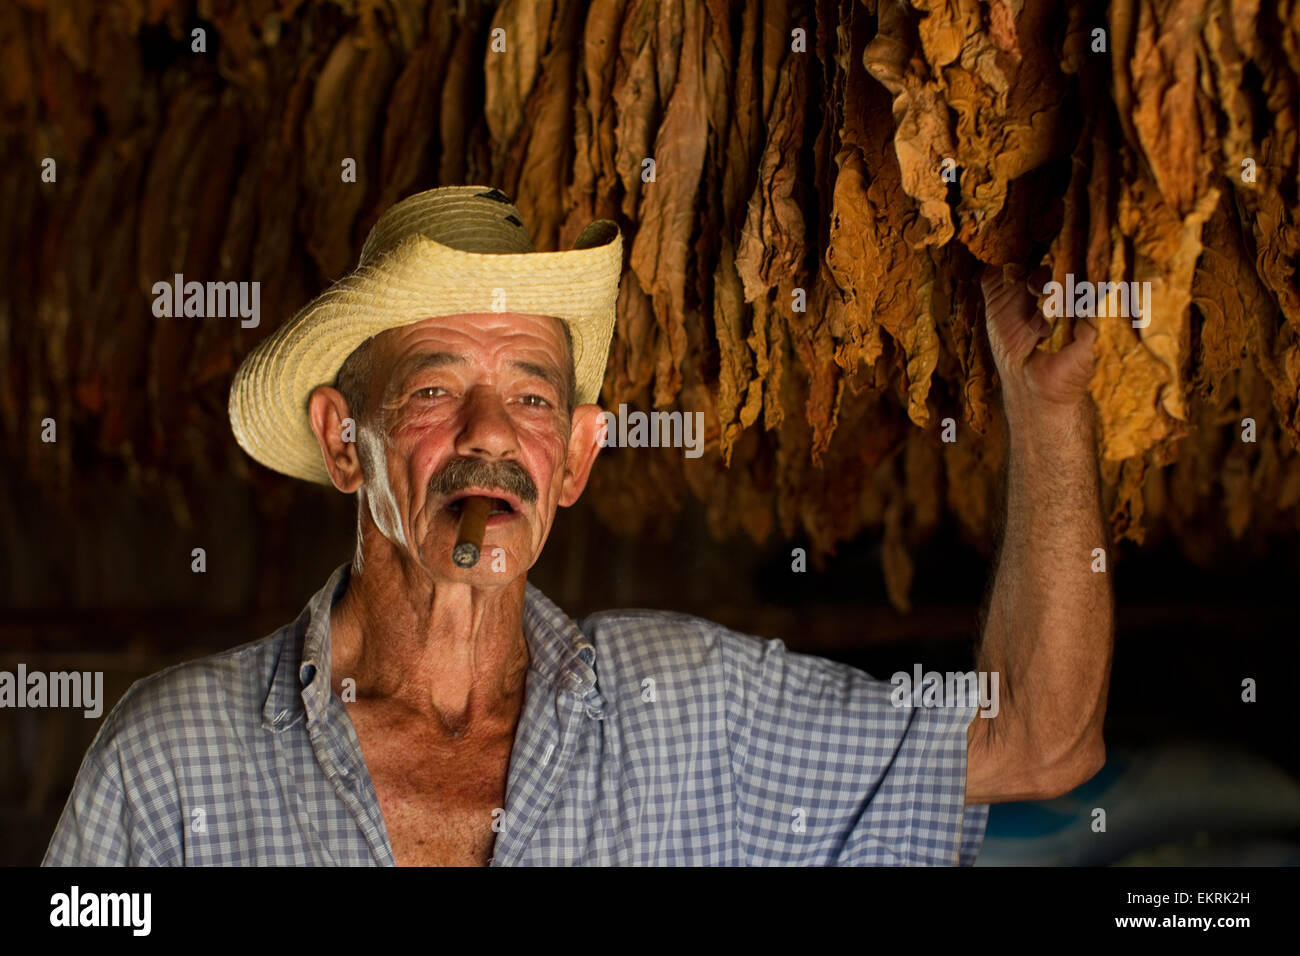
(447, 251)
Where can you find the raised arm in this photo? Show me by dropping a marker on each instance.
(1048, 632)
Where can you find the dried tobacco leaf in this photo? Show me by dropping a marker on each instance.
(1171, 157)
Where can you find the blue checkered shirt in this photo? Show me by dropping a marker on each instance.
(646, 737)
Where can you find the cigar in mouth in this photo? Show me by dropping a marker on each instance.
(469, 533)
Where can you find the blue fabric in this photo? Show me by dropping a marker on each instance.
(645, 738)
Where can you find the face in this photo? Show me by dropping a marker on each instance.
(471, 404)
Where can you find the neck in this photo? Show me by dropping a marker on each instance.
(445, 649)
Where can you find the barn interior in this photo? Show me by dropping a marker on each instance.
(807, 193)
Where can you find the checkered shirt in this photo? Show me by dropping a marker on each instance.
(646, 737)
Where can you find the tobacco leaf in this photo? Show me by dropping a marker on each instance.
(1171, 157)
(636, 100)
(510, 73)
(659, 251)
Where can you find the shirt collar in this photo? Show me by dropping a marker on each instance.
(559, 653)
(301, 684)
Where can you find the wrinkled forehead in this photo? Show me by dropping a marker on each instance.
(485, 327)
(538, 342)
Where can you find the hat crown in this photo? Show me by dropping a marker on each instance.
(469, 218)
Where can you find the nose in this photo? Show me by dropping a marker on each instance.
(486, 429)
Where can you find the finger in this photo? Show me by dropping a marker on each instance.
(1079, 351)
(1071, 368)
(1014, 324)
(1078, 357)
(997, 290)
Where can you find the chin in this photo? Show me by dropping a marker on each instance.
(496, 564)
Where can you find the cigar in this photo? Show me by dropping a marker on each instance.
(469, 533)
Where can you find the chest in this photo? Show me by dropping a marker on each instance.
(440, 795)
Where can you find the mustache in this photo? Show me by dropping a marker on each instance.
(461, 473)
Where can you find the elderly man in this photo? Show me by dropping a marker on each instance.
(424, 712)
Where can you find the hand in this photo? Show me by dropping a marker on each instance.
(1032, 380)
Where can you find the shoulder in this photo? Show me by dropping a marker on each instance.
(708, 661)
(173, 733)
(220, 691)
(683, 640)
(669, 638)
(756, 677)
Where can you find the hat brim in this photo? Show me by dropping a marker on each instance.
(417, 279)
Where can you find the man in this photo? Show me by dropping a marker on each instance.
(420, 712)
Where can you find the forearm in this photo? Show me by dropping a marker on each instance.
(1048, 631)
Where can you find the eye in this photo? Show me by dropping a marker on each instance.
(539, 403)
(429, 391)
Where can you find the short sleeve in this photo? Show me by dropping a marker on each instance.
(92, 831)
(98, 826)
(828, 771)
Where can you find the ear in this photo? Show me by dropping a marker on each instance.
(335, 430)
(584, 445)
